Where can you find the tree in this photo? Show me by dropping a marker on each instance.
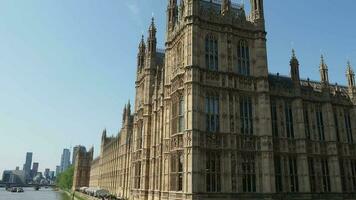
(65, 179)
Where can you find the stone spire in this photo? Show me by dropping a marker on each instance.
(142, 45)
(141, 54)
(324, 74)
(128, 110)
(350, 75)
(225, 6)
(152, 40)
(127, 113)
(294, 68)
(103, 136)
(124, 115)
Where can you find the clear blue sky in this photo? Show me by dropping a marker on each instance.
(68, 67)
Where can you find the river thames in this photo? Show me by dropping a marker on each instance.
(31, 194)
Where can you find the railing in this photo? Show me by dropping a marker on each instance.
(233, 4)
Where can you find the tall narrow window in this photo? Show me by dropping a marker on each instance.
(289, 120)
(293, 175)
(213, 175)
(212, 113)
(343, 175)
(312, 175)
(325, 175)
(177, 172)
(243, 58)
(320, 123)
(353, 174)
(181, 115)
(140, 131)
(178, 115)
(347, 117)
(278, 173)
(336, 126)
(211, 53)
(246, 115)
(137, 177)
(274, 118)
(234, 172)
(306, 122)
(248, 173)
(175, 105)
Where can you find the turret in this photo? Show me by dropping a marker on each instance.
(257, 12)
(91, 153)
(294, 68)
(172, 14)
(324, 74)
(128, 111)
(350, 75)
(103, 136)
(225, 6)
(141, 55)
(124, 115)
(152, 40)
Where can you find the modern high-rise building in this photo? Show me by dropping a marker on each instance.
(211, 122)
(75, 151)
(51, 175)
(34, 170)
(65, 160)
(27, 165)
(58, 170)
(46, 173)
(14, 177)
(28, 162)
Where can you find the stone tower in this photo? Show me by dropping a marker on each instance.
(216, 61)
(82, 165)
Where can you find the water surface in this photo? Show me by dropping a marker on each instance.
(31, 194)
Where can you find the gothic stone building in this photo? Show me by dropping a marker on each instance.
(211, 122)
(82, 167)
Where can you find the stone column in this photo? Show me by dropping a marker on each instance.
(300, 137)
(330, 137)
(264, 128)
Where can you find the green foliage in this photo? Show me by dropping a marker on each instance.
(65, 179)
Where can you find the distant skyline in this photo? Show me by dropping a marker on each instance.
(67, 67)
(21, 166)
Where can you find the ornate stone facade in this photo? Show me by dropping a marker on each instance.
(210, 122)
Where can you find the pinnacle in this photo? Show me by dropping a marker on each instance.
(322, 63)
(349, 68)
(152, 23)
(293, 54)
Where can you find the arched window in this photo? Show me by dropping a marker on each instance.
(211, 53)
(243, 58)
